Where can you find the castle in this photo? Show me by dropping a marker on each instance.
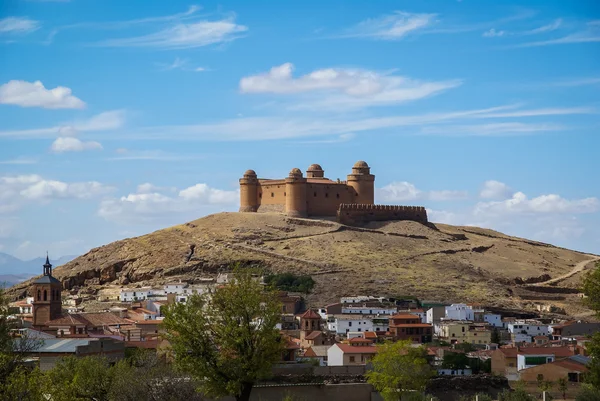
(351, 201)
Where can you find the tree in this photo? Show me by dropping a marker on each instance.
(563, 387)
(79, 379)
(495, 336)
(399, 368)
(591, 288)
(588, 393)
(144, 376)
(455, 360)
(227, 339)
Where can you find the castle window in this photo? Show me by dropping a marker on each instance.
(337, 196)
(315, 194)
(326, 195)
(284, 194)
(45, 295)
(272, 195)
(260, 195)
(39, 295)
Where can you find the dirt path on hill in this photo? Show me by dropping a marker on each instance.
(579, 267)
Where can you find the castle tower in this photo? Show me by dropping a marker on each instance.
(315, 171)
(249, 192)
(363, 183)
(295, 199)
(46, 293)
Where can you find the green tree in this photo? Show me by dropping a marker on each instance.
(563, 387)
(455, 360)
(23, 385)
(466, 347)
(144, 376)
(227, 339)
(79, 379)
(588, 393)
(495, 336)
(591, 288)
(399, 368)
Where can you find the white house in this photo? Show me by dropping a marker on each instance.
(175, 288)
(348, 355)
(342, 324)
(360, 298)
(460, 312)
(493, 319)
(528, 327)
(369, 310)
(530, 360)
(134, 294)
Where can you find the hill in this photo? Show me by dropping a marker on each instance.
(435, 262)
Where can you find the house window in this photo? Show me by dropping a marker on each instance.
(359, 329)
(337, 196)
(573, 377)
(315, 194)
(352, 359)
(39, 295)
(349, 324)
(326, 195)
(45, 295)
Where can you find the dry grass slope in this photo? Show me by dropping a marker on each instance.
(437, 262)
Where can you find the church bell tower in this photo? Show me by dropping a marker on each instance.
(46, 293)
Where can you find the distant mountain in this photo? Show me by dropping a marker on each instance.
(11, 266)
(8, 280)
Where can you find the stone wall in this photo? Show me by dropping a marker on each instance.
(358, 214)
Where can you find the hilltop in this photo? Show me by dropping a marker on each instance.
(435, 262)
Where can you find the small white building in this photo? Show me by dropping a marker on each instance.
(175, 288)
(530, 360)
(369, 310)
(528, 327)
(342, 324)
(360, 298)
(493, 319)
(460, 312)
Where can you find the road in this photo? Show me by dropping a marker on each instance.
(579, 267)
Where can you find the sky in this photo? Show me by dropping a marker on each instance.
(120, 118)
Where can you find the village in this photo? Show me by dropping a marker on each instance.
(338, 339)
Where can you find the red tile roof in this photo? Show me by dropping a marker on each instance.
(359, 340)
(410, 325)
(357, 349)
(313, 335)
(512, 352)
(310, 314)
(370, 334)
(405, 316)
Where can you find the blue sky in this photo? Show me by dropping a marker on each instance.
(119, 118)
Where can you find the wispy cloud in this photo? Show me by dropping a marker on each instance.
(391, 27)
(106, 121)
(344, 88)
(18, 25)
(492, 33)
(154, 155)
(405, 191)
(19, 160)
(577, 82)
(545, 28)
(70, 144)
(589, 34)
(180, 64)
(185, 35)
(493, 129)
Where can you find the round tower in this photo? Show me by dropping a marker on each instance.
(363, 183)
(315, 171)
(295, 199)
(249, 192)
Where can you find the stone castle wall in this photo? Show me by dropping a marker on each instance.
(357, 214)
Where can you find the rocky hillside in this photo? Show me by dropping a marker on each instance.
(436, 262)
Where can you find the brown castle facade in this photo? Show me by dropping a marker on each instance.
(351, 201)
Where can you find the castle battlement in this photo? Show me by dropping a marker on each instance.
(352, 200)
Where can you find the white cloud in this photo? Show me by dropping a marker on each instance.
(546, 28)
(405, 191)
(519, 204)
(589, 34)
(392, 27)
(494, 129)
(19, 160)
(70, 144)
(105, 121)
(185, 35)
(347, 87)
(18, 25)
(17, 189)
(492, 33)
(34, 94)
(495, 190)
(147, 207)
